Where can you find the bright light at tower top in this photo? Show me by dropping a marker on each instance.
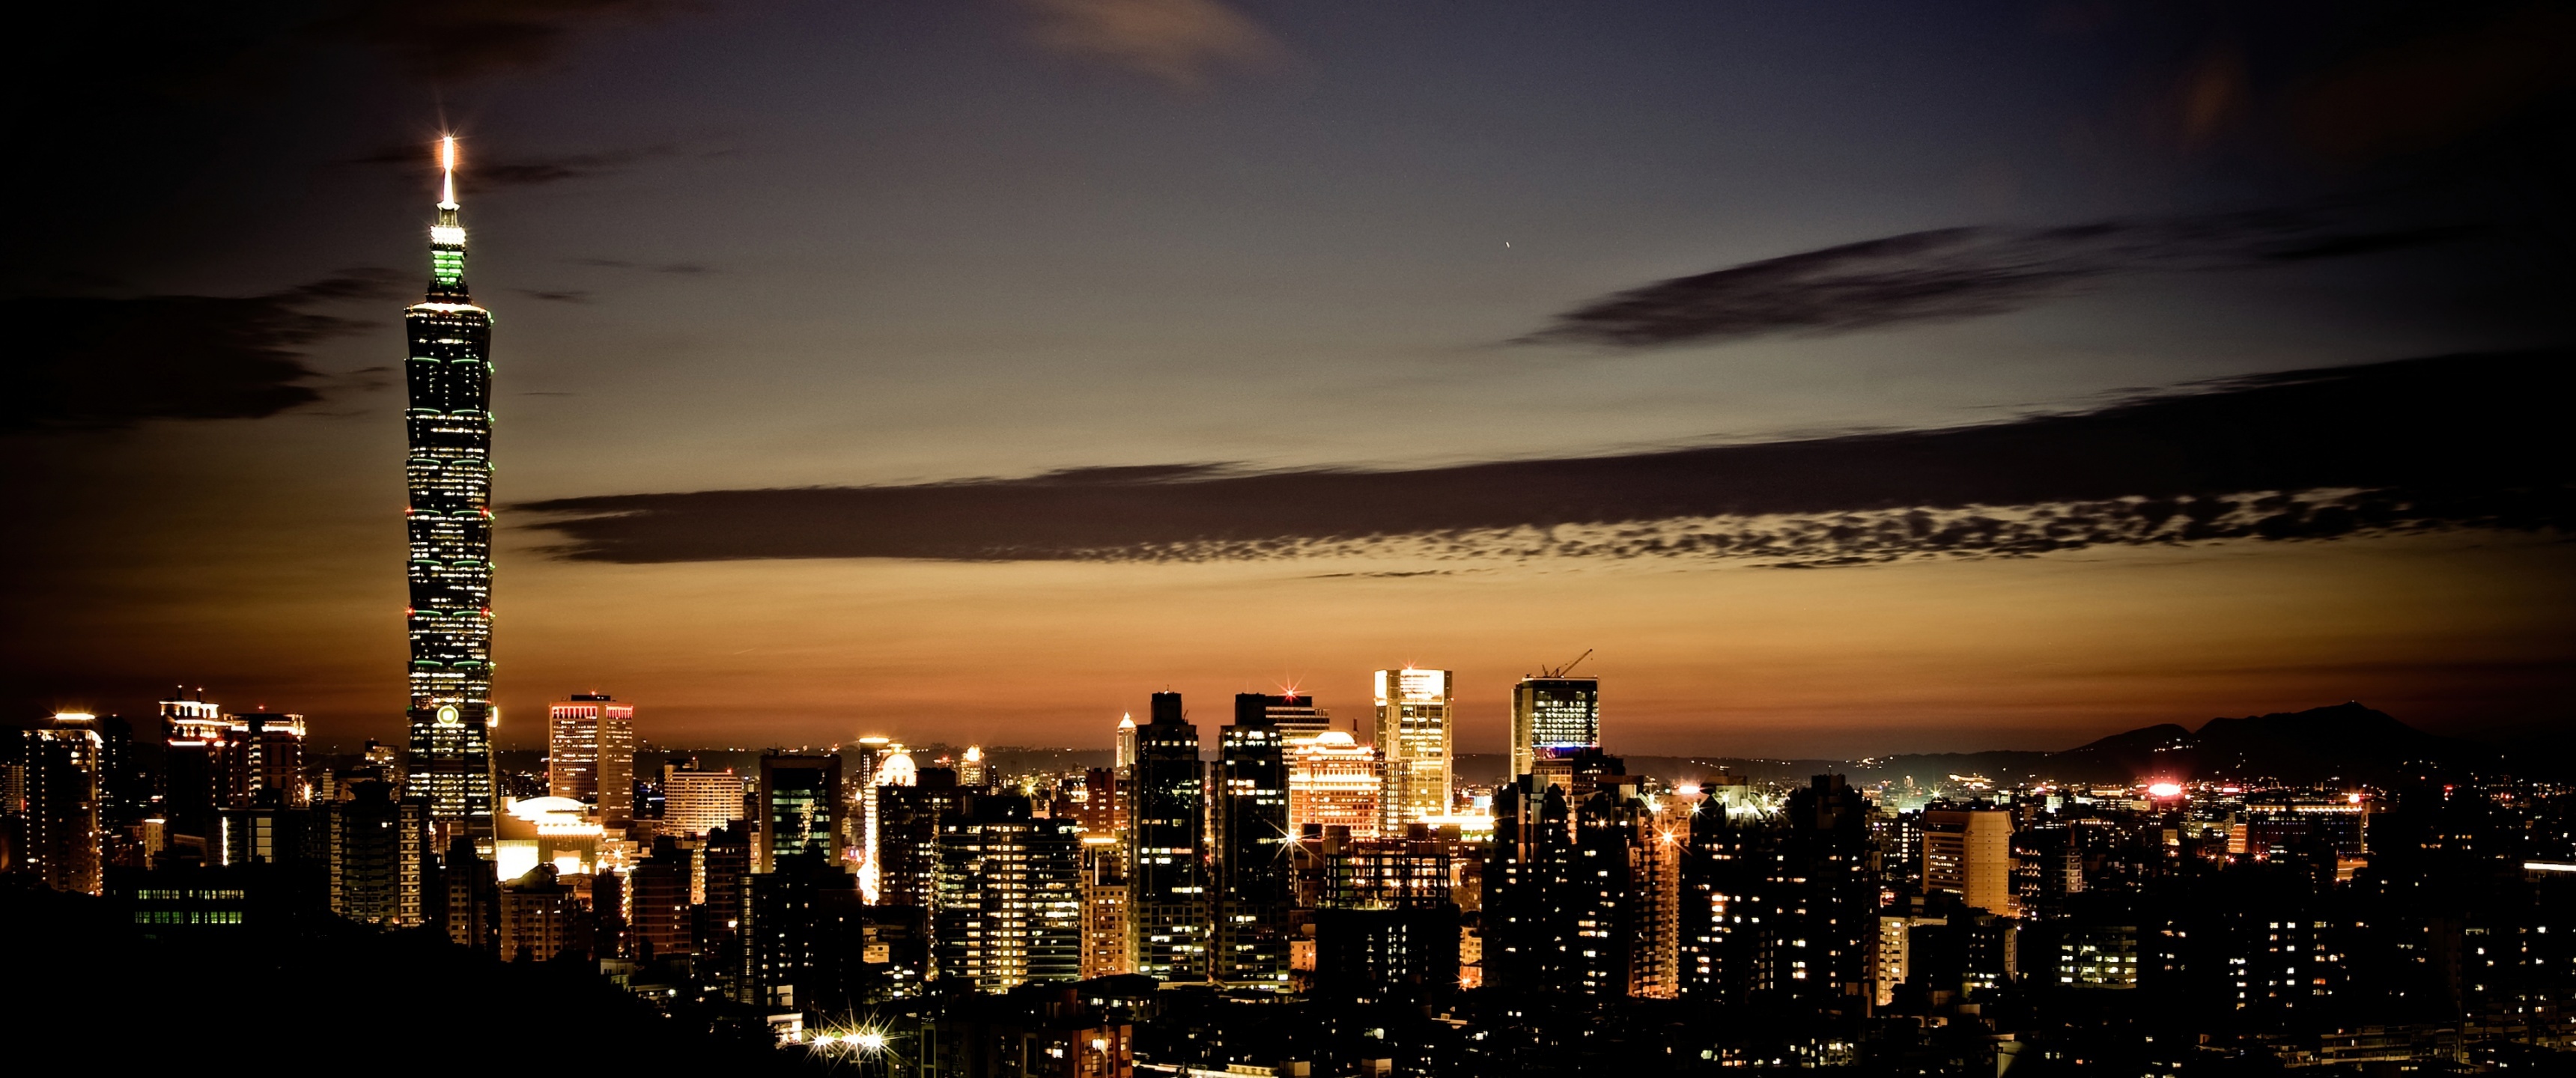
(447, 166)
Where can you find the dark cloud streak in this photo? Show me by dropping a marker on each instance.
(1948, 274)
(81, 361)
(2453, 441)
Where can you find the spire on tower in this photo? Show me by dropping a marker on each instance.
(447, 237)
(447, 164)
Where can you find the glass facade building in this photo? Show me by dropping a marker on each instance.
(800, 809)
(1413, 736)
(449, 472)
(1167, 838)
(1252, 869)
(1553, 713)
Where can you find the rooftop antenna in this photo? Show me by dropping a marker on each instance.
(1562, 670)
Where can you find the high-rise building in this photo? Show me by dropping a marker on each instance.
(1334, 781)
(1126, 744)
(1386, 924)
(658, 901)
(1413, 720)
(724, 884)
(58, 795)
(590, 755)
(970, 767)
(1295, 715)
(1009, 907)
(124, 792)
(1105, 928)
(800, 808)
(1825, 892)
(540, 917)
(1103, 805)
(263, 759)
(375, 843)
(908, 822)
(1528, 932)
(1783, 908)
(802, 924)
(193, 772)
(270, 834)
(471, 911)
(1968, 853)
(1581, 894)
(1251, 849)
(881, 762)
(1167, 844)
(1725, 943)
(696, 801)
(449, 472)
(1562, 713)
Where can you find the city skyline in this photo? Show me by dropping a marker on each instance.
(1853, 537)
(1246, 354)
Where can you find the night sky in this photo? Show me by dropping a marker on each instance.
(1850, 377)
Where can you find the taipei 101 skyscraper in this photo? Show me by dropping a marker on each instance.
(450, 520)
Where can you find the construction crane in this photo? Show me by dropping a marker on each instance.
(1562, 670)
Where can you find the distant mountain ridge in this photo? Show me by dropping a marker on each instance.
(2346, 742)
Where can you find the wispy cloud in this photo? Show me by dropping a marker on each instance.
(1948, 274)
(80, 361)
(562, 295)
(1184, 43)
(2448, 442)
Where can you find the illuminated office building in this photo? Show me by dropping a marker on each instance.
(881, 763)
(1166, 834)
(58, 796)
(1413, 735)
(695, 802)
(1102, 806)
(1553, 713)
(1009, 907)
(1105, 928)
(2278, 822)
(800, 809)
(263, 761)
(449, 470)
(1333, 781)
(590, 755)
(970, 767)
(1296, 716)
(1968, 853)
